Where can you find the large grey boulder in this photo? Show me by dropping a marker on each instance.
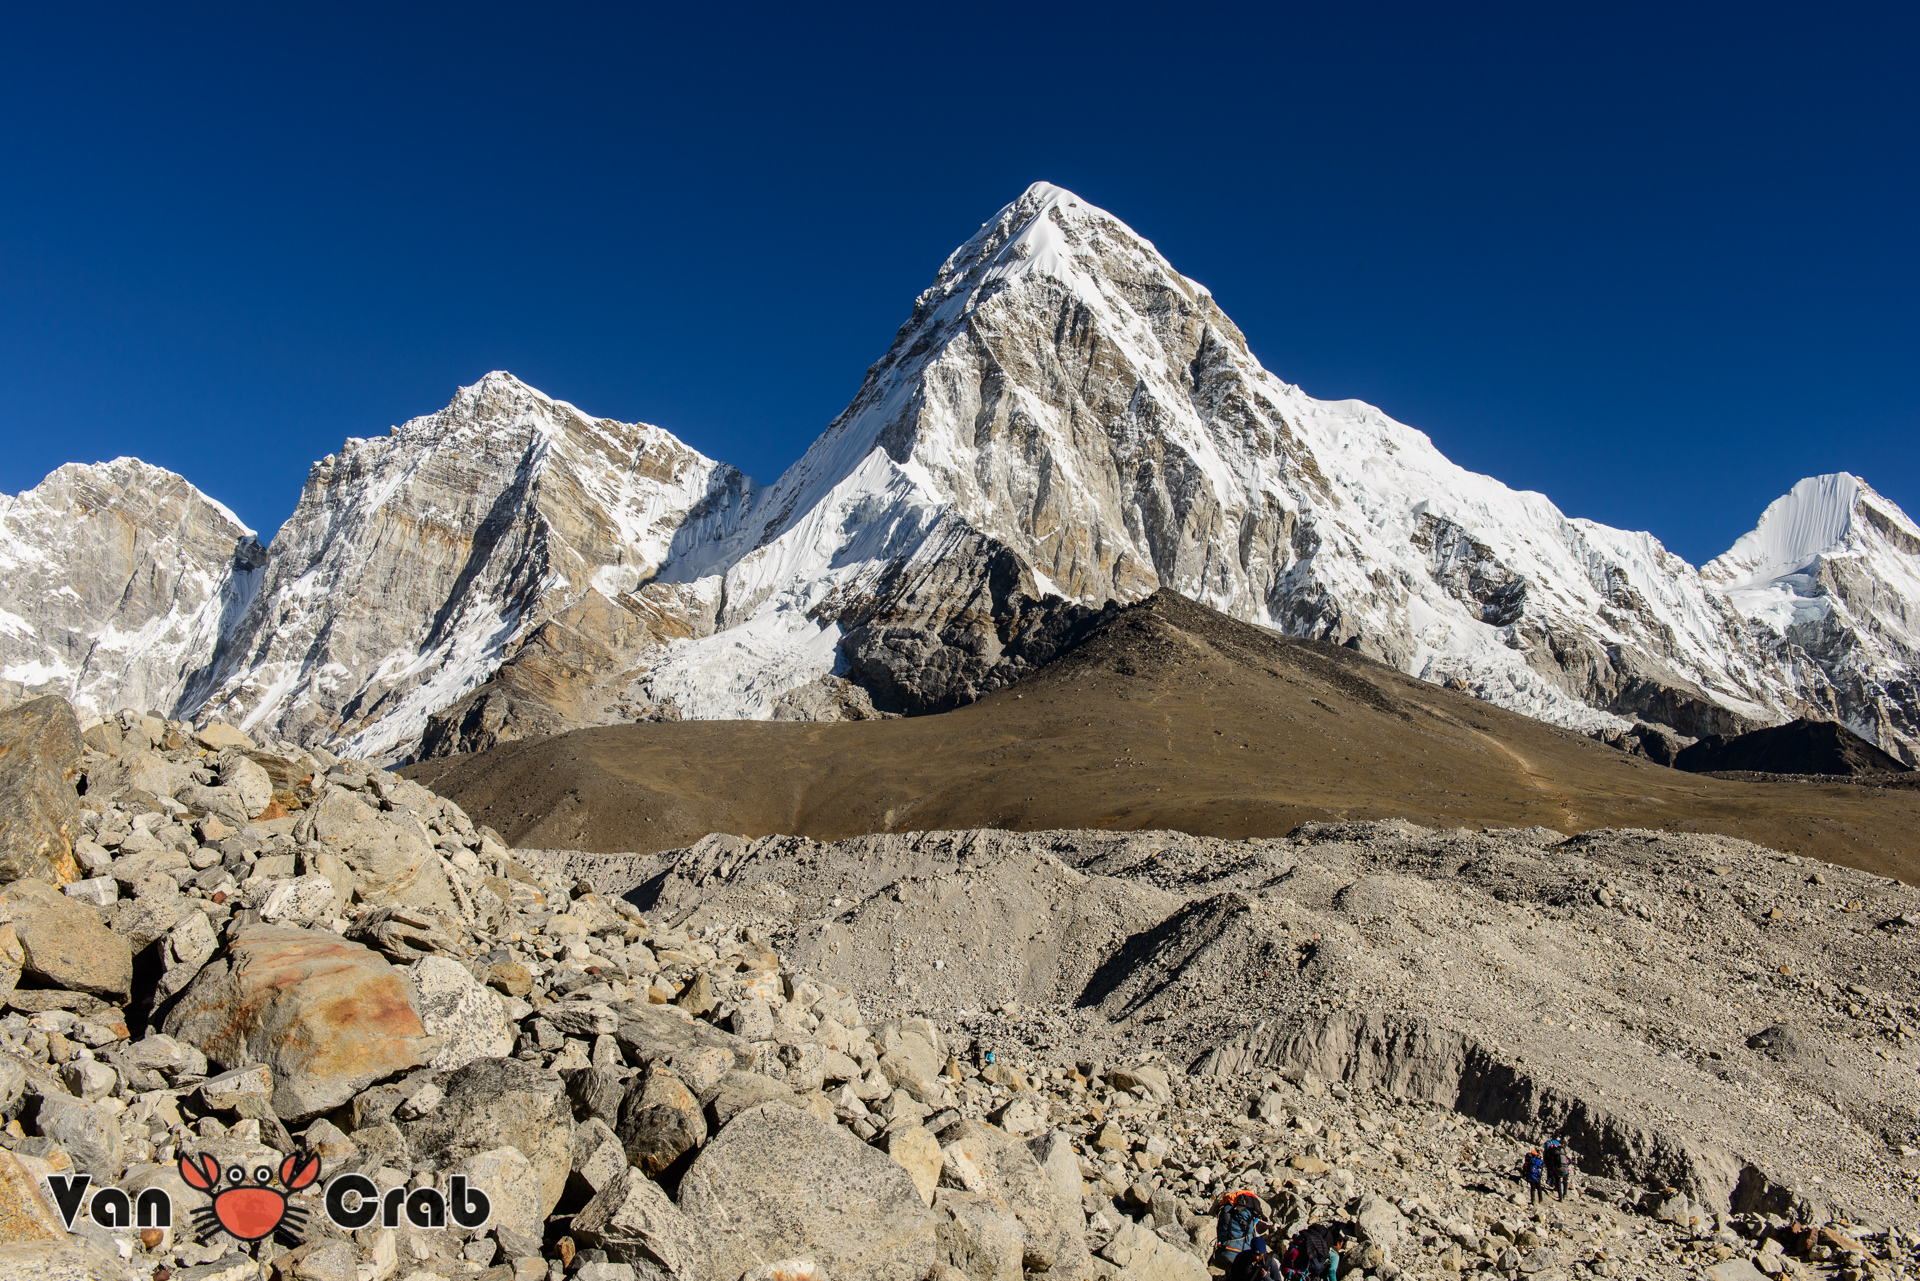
(985, 1241)
(649, 1032)
(660, 1121)
(634, 1222)
(39, 810)
(778, 1183)
(987, 1160)
(468, 1019)
(91, 1136)
(64, 942)
(735, 1092)
(390, 856)
(496, 1103)
(328, 1016)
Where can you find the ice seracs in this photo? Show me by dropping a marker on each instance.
(1830, 580)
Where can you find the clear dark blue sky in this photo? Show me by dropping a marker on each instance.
(1656, 261)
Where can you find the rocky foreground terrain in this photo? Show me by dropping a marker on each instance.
(767, 1059)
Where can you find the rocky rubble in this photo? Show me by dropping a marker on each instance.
(337, 961)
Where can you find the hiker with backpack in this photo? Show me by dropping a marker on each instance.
(1314, 1253)
(1533, 1168)
(1241, 1247)
(1559, 1164)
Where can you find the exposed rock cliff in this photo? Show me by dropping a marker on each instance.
(415, 563)
(120, 580)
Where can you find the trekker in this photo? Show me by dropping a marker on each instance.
(1534, 1170)
(1238, 1227)
(1314, 1253)
(1559, 1163)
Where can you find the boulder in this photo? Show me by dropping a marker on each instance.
(1380, 1222)
(660, 1120)
(221, 803)
(90, 1135)
(468, 1019)
(26, 1216)
(738, 1091)
(249, 782)
(1142, 1256)
(918, 1153)
(144, 921)
(1054, 1152)
(393, 862)
(189, 946)
(508, 1180)
(1001, 1167)
(634, 1222)
(598, 1157)
(1148, 1079)
(985, 1240)
(649, 1032)
(13, 958)
(63, 942)
(1023, 1115)
(328, 1016)
(299, 901)
(778, 1183)
(217, 736)
(495, 1103)
(39, 810)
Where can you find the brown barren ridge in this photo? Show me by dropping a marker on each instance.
(1171, 715)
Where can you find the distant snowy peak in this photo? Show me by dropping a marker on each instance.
(415, 562)
(1064, 393)
(1064, 420)
(121, 582)
(1830, 582)
(1809, 520)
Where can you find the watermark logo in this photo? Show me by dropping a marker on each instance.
(246, 1205)
(251, 1203)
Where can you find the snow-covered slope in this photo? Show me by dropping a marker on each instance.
(1830, 579)
(1065, 393)
(120, 582)
(416, 561)
(1063, 421)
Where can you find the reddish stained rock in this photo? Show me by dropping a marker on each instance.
(329, 1017)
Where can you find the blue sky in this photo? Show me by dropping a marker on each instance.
(1658, 262)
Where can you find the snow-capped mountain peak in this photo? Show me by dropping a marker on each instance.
(1063, 420)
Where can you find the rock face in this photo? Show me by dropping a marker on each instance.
(1799, 747)
(416, 563)
(121, 581)
(39, 812)
(779, 1184)
(328, 1016)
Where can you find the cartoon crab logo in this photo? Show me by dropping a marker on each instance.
(248, 1207)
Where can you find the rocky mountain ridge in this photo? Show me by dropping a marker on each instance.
(1064, 420)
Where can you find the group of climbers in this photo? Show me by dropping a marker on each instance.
(1243, 1253)
(1547, 1168)
(1242, 1250)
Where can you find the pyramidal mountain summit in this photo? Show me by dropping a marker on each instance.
(1064, 421)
